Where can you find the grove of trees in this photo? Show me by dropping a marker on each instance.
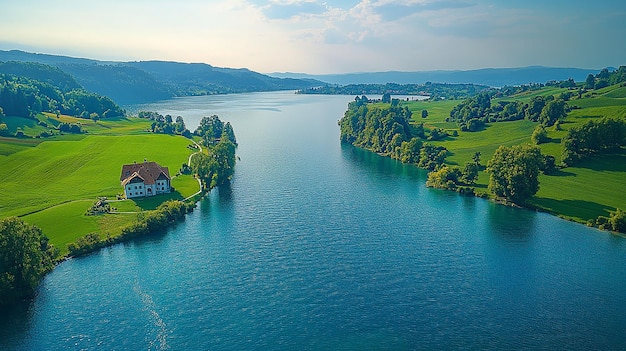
(216, 165)
(25, 97)
(473, 113)
(386, 130)
(165, 125)
(25, 257)
(594, 137)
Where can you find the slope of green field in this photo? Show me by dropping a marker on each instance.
(587, 191)
(51, 182)
(591, 189)
(58, 171)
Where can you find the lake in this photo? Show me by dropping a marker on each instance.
(316, 245)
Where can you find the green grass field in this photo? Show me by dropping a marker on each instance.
(59, 171)
(51, 182)
(580, 193)
(585, 192)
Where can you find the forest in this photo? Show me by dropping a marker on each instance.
(25, 97)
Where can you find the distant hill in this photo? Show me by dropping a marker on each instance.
(143, 81)
(41, 72)
(201, 79)
(494, 77)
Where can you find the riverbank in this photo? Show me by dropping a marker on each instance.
(585, 193)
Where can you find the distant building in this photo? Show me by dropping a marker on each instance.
(145, 179)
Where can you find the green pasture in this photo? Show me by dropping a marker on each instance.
(591, 189)
(110, 126)
(51, 182)
(585, 192)
(58, 171)
(527, 95)
(463, 147)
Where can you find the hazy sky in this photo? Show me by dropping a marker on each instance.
(316, 36)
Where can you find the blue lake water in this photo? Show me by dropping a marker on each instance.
(321, 246)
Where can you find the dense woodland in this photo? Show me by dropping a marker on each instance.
(25, 257)
(25, 97)
(386, 130)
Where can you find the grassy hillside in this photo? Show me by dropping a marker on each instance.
(592, 188)
(53, 181)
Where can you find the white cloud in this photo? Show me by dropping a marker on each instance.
(323, 36)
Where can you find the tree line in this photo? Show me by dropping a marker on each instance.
(165, 125)
(216, 164)
(473, 113)
(170, 211)
(25, 97)
(592, 138)
(434, 90)
(387, 131)
(605, 78)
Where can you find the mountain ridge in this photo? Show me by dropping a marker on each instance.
(494, 77)
(143, 81)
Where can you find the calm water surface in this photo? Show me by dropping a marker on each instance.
(319, 246)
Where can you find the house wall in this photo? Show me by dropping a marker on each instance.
(151, 190)
(137, 188)
(162, 186)
(134, 190)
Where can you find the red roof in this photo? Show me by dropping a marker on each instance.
(149, 172)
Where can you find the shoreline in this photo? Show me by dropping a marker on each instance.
(503, 202)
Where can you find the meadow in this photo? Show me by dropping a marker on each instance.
(51, 182)
(591, 189)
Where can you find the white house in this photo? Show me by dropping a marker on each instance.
(145, 179)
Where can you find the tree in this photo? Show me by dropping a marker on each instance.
(469, 175)
(210, 130)
(444, 178)
(424, 113)
(552, 112)
(514, 172)
(25, 257)
(590, 82)
(476, 157)
(4, 130)
(594, 137)
(386, 98)
(617, 220)
(228, 133)
(540, 135)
